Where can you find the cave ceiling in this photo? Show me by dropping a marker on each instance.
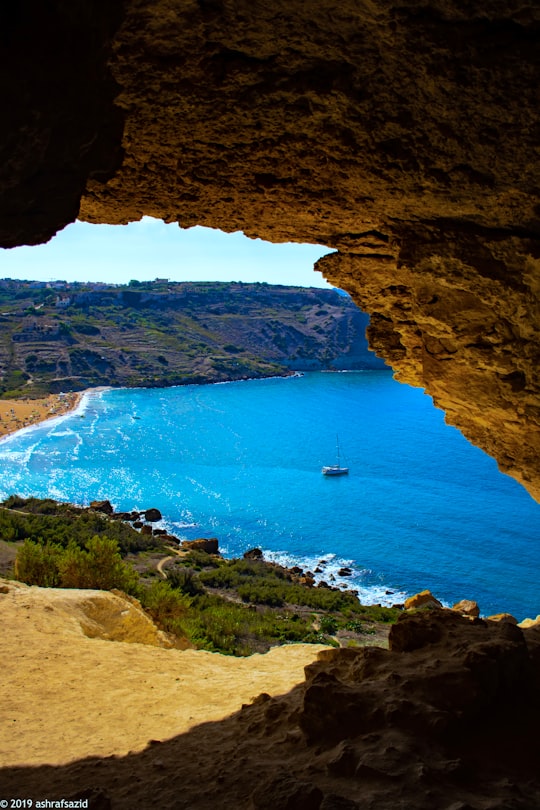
(405, 136)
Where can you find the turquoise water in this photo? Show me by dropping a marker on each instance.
(241, 461)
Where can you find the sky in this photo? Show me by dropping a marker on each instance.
(151, 249)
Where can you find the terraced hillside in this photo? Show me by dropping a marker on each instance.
(61, 337)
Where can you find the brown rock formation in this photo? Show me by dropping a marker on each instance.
(447, 719)
(467, 607)
(210, 545)
(404, 136)
(424, 599)
(102, 506)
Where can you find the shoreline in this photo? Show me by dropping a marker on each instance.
(18, 414)
(85, 402)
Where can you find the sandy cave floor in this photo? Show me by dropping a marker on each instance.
(65, 696)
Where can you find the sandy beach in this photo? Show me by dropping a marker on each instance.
(16, 414)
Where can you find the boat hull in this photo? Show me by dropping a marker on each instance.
(335, 470)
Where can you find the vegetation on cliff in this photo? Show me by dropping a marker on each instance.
(235, 607)
(62, 337)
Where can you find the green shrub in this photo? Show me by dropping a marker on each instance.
(261, 594)
(37, 564)
(354, 626)
(329, 625)
(185, 581)
(165, 604)
(377, 613)
(199, 560)
(98, 566)
(60, 523)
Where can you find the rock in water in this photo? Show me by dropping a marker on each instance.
(152, 515)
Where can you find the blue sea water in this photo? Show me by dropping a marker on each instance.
(421, 508)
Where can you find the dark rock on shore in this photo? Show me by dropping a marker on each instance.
(126, 516)
(102, 506)
(253, 554)
(152, 515)
(210, 545)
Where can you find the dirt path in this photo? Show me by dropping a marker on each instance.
(160, 565)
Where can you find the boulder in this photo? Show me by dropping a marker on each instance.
(146, 530)
(209, 545)
(525, 623)
(503, 618)
(152, 515)
(467, 608)
(424, 599)
(253, 554)
(138, 524)
(102, 506)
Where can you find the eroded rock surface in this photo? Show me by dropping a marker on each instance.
(447, 719)
(405, 136)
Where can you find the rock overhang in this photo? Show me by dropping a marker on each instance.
(404, 137)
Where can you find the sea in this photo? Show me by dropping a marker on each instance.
(241, 461)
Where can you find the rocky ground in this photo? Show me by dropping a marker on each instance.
(446, 718)
(96, 701)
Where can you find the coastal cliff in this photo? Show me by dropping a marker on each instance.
(74, 336)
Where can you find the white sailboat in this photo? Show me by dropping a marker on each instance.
(336, 469)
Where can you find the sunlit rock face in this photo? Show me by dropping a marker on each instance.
(452, 313)
(404, 136)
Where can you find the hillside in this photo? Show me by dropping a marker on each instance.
(235, 606)
(62, 337)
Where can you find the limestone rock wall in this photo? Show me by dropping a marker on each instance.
(403, 135)
(456, 311)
